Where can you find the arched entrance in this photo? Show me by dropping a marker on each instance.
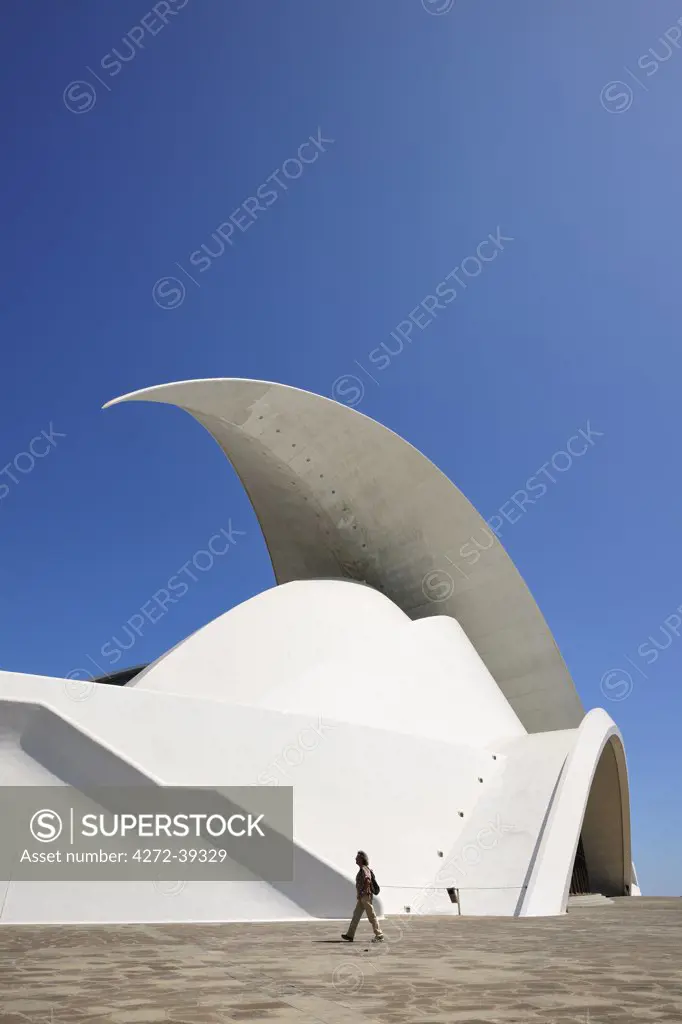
(585, 845)
(605, 866)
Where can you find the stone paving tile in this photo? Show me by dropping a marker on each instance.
(618, 963)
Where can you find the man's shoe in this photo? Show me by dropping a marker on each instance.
(378, 938)
(348, 938)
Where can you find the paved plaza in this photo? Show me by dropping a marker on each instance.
(611, 964)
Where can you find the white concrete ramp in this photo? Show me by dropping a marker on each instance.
(491, 861)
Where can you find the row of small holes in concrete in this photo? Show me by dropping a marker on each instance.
(461, 813)
(293, 482)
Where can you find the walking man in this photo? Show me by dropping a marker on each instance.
(365, 888)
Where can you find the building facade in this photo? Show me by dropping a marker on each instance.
(420, 712)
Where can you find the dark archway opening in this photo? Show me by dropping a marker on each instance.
(580, 879)
(602, 861)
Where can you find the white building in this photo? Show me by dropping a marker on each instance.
(421, 713)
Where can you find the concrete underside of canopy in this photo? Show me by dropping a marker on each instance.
(339, 495)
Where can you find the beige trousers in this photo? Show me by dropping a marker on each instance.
(364, 906)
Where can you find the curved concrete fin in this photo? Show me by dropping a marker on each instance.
(338, 494)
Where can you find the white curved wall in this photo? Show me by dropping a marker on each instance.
(482, 712)
(344, 651)
(392, 732)
(272, 638)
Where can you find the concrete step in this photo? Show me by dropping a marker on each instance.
(594, 899)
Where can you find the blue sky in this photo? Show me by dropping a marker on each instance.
(437, 126)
